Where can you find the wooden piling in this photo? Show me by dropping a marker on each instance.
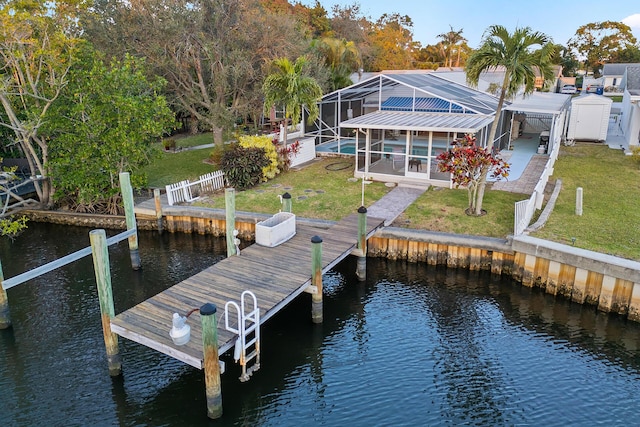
(286, 202)
(316, 279)
(127, 198)
(213, 386)
(230, 209)
(102, 269)
(361, 269)
(5, 315)
(158, 205)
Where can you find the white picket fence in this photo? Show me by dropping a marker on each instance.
(186, 191)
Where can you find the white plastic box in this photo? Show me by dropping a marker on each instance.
(276, 230)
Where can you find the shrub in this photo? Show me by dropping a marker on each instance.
(243, 166)
(270, 170)
(169, 144)
(285, 152)
(218, 151)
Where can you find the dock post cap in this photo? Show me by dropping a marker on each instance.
(316, 239)
(362, 209)
(208, 309)
(286, 195)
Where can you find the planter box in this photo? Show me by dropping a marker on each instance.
(276, 230)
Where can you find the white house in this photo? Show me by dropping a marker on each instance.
(612, 76)
(396, 123)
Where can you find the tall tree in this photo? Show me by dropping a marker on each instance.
(342, 58)
(106, 120)
(429, 57)
(627, 55)
(596, 43)
(213, 53)
(393, 43)
(315, 18)
(351, 24)
(36, 53)
(452, 44)
(518, 54)
(288, 86)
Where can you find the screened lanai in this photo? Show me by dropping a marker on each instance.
(397, 123)
(402, 146)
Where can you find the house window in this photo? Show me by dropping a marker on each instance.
(615, 79)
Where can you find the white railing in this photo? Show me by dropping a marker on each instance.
(186, 191)
(525, 209)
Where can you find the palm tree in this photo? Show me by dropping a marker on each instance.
(288, 86)
(517, 54)
(450, 42)
(342, 57)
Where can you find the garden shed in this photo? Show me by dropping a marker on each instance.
(589, 118)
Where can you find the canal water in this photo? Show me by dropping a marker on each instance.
(413, 345)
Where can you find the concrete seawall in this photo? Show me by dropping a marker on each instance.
(610, 283)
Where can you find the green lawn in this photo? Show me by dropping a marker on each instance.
(325, 189)
(172, 167)
(441, 209)
(610, 222)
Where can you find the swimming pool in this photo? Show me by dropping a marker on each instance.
(348, 146)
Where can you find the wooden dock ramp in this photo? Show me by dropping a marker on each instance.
(275, 275)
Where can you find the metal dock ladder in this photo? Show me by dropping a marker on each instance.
(248, 330)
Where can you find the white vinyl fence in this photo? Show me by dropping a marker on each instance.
(525, 209)
(186, 191)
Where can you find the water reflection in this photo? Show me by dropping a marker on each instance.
(412, 344)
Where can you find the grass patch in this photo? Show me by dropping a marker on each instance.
(324, 189)
(185, 140)
(171, 167)
(442, 209)
(610, 222)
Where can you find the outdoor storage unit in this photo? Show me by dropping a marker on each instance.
(589, 118)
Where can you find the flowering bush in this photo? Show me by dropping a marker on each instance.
(271, 169)
(466, 161)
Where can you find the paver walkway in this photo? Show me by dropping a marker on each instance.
(392, 204)
(527, 181)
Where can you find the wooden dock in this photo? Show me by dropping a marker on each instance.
(275, 275)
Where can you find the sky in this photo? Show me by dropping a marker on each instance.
(557, 18)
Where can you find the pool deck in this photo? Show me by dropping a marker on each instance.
(525, 166)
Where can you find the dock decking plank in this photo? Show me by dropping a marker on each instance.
(275, 275)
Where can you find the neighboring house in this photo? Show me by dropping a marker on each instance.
(396, 124)
(630, 111)
(612, 75)
(554, 83)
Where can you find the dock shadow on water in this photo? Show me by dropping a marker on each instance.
(412, 344)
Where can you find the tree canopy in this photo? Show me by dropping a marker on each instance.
(599, 42)
(36, 54)
(104, 124)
